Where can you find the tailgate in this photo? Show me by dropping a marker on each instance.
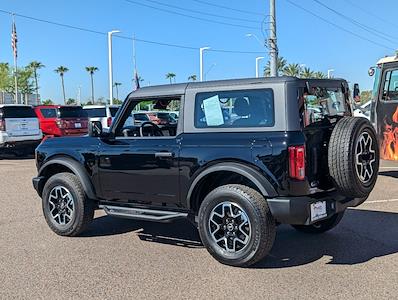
(22, 126)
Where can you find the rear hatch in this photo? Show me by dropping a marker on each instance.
(20, 121)
(323, 105)
(72, 118)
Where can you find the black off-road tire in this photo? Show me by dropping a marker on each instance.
(343, 146)
(263, 228)
(321, 226)
(83, 207)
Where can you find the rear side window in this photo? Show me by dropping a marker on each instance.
(141, 117)
(322, 102)
(235, 109)
(17, 112)
(72, 112)
(48, 113)
(96, 112)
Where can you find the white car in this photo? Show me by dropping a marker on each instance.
(102, 113)
(19, 129)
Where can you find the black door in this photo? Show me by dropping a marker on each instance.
(140, 170)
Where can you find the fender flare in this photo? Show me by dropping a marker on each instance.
(76, 169)
(258, 179)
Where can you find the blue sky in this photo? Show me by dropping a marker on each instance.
(302, 38)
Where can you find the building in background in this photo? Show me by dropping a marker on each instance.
(8, 98)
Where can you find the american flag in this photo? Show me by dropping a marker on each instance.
(14, 39)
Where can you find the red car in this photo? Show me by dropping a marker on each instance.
(60, 120)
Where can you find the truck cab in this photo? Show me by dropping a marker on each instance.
(384, 112)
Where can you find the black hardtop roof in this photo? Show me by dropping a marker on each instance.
(180, 88)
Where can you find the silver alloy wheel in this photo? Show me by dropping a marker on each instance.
(61, 205)
(365, 157)
(230, 227)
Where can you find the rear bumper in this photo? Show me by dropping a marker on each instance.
(11, 141)
(16, 145)
(297, 210)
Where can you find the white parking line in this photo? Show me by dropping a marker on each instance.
(381, 201)
(389, 168)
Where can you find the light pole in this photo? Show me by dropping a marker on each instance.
(272, 42)
(256, 37)
(257, 66)
(330, 71)
(201, 61)
(110, 66)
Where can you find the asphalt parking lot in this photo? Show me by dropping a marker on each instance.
(118, 258)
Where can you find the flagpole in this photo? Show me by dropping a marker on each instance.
(15, 58)
(134, 63)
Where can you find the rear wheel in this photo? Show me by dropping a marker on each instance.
(321, 226)
(236, 225)
(66, 207)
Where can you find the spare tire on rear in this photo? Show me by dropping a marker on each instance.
(353, 157)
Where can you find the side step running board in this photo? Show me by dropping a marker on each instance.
(142, 214)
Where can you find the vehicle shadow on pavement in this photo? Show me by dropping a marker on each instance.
(179, 233)
(361, 236)
(393, 174)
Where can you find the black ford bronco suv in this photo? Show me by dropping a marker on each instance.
(244, 156)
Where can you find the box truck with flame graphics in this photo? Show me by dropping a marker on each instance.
(384, 112)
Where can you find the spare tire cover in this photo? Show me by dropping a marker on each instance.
(353, 157)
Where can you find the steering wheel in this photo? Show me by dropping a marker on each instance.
(156, 131)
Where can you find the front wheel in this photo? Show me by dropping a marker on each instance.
(321, 226)
(66, 207)
(236, 225)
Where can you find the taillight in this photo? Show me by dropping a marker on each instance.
(60, 123)
(2, 125)
(297, 162)
(109, 121)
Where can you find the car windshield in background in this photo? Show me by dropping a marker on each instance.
(324, 102)
(72, 112)
(113, 111)
(96, 112)
(235, 109)
(17, 112)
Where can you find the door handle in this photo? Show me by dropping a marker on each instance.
(164, 154)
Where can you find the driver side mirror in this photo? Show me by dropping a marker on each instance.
(357, 92)
(94, 129)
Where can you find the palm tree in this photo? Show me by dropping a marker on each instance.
(171, 76)
(319, 75)
(292, 70)
(34, 66)
(281, 65)
(117, 84)
(307, 73)
(192, 78)
(61, 70)
(91, 70)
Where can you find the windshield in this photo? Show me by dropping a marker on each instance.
(322, 102)
(376, 83)
(72, 112)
